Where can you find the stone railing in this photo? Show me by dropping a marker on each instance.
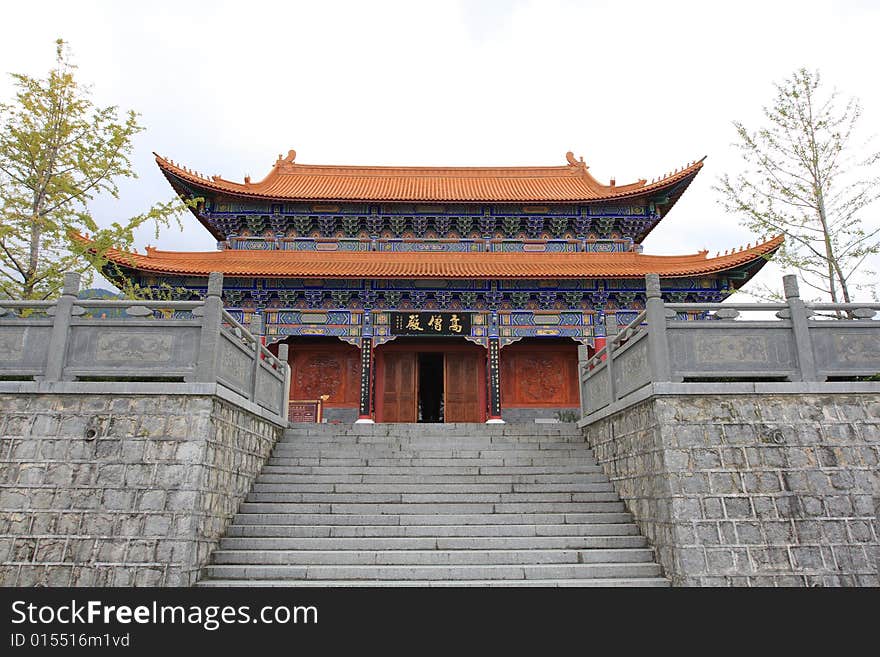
(802, 342)
(75, 339)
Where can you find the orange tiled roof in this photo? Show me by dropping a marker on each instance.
(311, 264)
(289, 180)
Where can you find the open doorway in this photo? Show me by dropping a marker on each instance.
(442, 380)
(430, 387)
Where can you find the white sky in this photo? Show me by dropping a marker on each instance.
(637, 88)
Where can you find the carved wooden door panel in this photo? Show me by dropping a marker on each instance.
(326, 370)
(399, 391)
(462, 377)
(537, 376)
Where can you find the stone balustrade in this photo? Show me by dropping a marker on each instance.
(791, 341)
(171, 342)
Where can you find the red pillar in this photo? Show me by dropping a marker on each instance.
(600, 344)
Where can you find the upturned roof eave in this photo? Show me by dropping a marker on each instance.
(484, 267)
(253, 191)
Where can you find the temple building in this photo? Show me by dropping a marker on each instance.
(435, 294)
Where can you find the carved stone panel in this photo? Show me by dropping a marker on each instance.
(23, 347)
(131, 345)
(11, 344)
(631, 368)
(235, 366)
(722, 351)
(596, 390)
(151, 350)
(269, 389)
(843, 348)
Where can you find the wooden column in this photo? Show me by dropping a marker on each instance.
(493, 382)
(493, 368)
(365, 412)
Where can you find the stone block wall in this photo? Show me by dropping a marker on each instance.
(121, 489)
(527, 415)
(340, 415)
(761, 489)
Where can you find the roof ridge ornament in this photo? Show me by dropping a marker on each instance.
(572, 161)
(291, 156)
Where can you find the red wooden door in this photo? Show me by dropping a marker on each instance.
(463, 377)
(399, 390)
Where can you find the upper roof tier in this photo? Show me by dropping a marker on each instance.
(572, 182)
(357, 264)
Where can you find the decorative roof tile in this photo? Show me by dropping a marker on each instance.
(289, 180)
(310, 264)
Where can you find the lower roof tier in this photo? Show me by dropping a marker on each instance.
(296, 264)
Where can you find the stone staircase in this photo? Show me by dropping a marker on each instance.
(432, 505)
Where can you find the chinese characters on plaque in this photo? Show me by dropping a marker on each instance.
(436, 323)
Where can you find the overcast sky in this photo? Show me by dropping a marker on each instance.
(637, 88)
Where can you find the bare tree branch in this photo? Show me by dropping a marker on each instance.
(804, 180)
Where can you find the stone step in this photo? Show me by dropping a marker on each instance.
(609, 582)
(433, 572)
(397, 488)
(407, 461)
(433, 505)
(454, 450)
(430, 557)
(422, 441)
(434, 532)
(436, 543)
(426, 441)
(488, 451)
(423, 498)
(444, 429)
(404, 508)
(413, 478)
(439, 441)
(339, 470)
(429, 519)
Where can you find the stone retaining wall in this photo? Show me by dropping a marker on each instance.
(527, 415)
(754, 489)
(117, 489)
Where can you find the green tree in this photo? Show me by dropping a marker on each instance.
(806, 176)
(57, 152)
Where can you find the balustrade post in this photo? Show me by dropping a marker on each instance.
(655, 313)
(283, 356)
(256, 329)
(610, 335)
(799, 316)
(209, 340)
(57, 349)
(583, 356)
